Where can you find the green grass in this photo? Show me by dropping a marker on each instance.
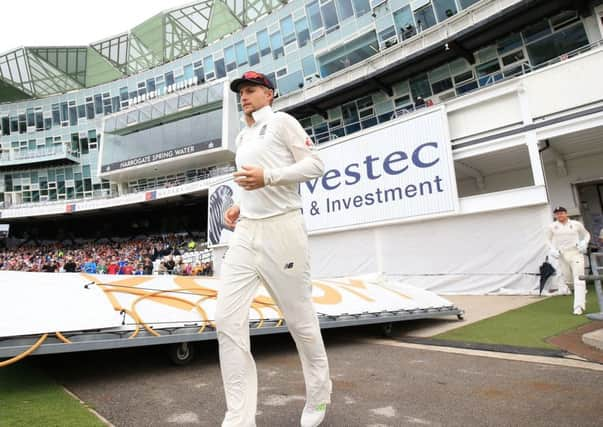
(28, 397)
(528, 326)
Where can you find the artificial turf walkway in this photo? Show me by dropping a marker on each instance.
(528, 326)
(28, 397)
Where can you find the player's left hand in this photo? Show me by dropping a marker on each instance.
(250, 177)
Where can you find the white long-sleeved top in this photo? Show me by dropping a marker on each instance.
(277, 143)
(566, 236)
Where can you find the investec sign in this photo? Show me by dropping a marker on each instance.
(402, 170)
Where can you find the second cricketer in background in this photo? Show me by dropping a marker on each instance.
(568, 242)
(270, 247)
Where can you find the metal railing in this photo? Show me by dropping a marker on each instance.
(596, 264)
(37, 153)
(108, 194)
(186, 179)
(510, 72)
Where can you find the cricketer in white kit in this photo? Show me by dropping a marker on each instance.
(270, 247)
(568, 242)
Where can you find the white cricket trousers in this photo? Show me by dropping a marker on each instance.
(272, 252)
(571, 263)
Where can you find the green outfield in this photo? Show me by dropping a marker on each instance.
(528, 326)
(28, 397)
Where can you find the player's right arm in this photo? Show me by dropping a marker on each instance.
(231, 216)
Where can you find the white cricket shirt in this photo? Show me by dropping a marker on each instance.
(566, 236)
(277, 143)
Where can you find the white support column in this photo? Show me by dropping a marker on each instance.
(535, 161)
(524, 105)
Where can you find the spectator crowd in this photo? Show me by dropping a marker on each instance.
(171, 254)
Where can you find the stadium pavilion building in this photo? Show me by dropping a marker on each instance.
(132, 131)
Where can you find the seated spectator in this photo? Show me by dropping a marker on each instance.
(170, 264)
(101, 268)
(126, 268)
(50, 266)
(89, 266)
(70, 266)
(162, 268)
(113, 268)
(139, 270)
(147, 266)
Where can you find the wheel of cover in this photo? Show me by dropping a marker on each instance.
(181, 353)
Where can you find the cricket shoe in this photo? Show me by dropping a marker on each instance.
(312, 416)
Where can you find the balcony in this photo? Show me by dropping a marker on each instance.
(415, 51)
(44, 156)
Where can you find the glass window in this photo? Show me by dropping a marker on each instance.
(288, 30)
(329, 15)
(72, 116)
(263, 42)
(169, 78)
(564, 19)
(556, 45)
(536, 31)
(56, 115)
(81, 111)
(220, 69)
(39, 121)
(292, 82)
(442, 85)
(241, 53)
(466, 87)
(30, 117)
(405, 23)
(277, 45)
(187, 72)
(361, 7)
(349, 54)
(150, 85)
(208, 64)
(466, 3)
(5, 126)
(115, 104)
(230, 58)
(425, 18)
(349, 114)
(309, 65)
(199, 74)
(90, 111)
(444, 9)
(303, 33)
(98, 104)
(513, 57)
(487, 68)
(313, 12)
(64, 110)
(123, 93)
(509, 43)
(387, 34)
(419, 87)
(345, 9)
(253, 54)
(83, 150)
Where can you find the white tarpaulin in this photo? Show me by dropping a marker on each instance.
(49, 302)
(33, 303)
(494, 252)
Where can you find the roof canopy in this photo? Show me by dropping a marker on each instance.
(35, 72)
